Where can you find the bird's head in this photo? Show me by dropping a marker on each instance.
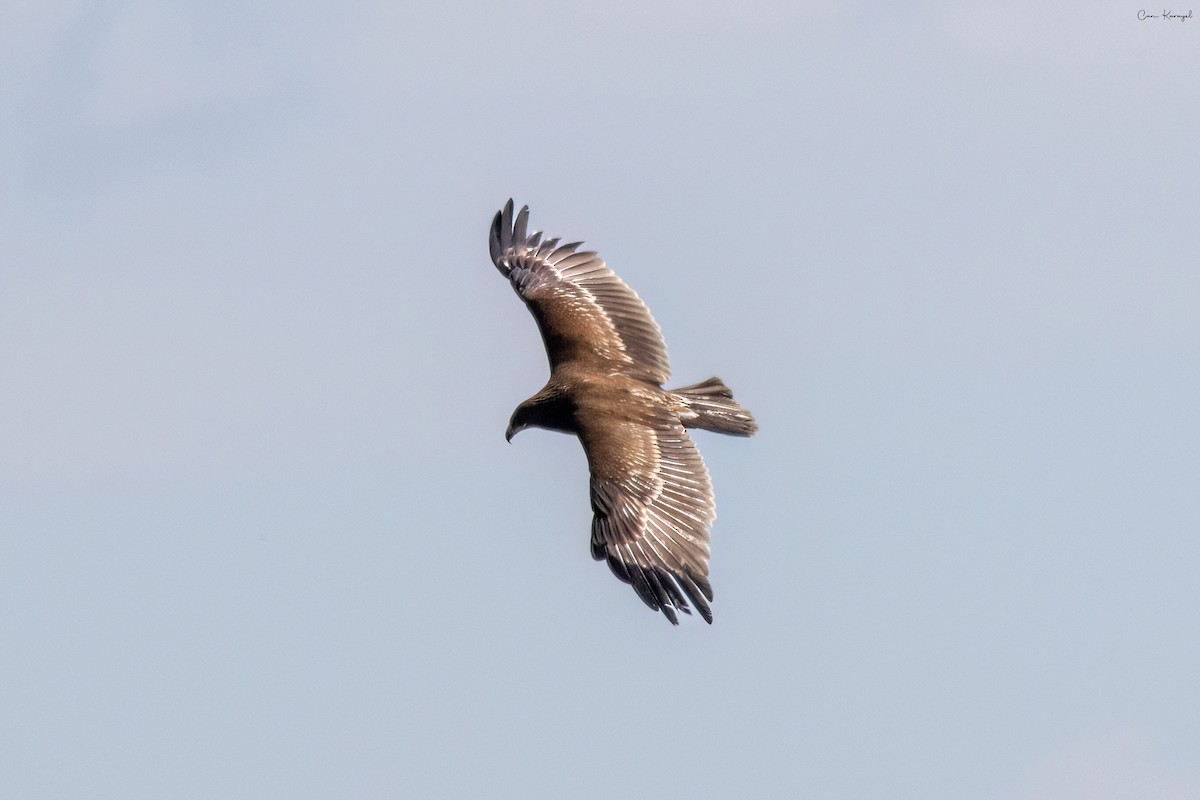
(519, 421)
(546, 409)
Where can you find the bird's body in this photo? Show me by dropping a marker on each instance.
(650, 491)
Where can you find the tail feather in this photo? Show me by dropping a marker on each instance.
(709, 405)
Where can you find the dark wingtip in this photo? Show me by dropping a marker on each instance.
(659, 588)
(494, 246)
(521, 225)
(699, 590)
(506, 225)
(507, 230)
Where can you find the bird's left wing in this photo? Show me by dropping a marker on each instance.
(653, 505)
(586, 314)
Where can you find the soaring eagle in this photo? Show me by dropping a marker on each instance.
(650, 492)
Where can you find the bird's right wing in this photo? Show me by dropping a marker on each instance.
(653, 505)
(585, 312)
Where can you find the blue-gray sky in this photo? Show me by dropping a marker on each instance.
(261, 535)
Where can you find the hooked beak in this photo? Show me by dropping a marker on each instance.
(508, 434)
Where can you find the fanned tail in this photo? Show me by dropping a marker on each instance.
(709, 405)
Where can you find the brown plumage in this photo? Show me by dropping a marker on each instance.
(650, 491)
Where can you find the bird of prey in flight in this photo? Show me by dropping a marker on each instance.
(650, 491)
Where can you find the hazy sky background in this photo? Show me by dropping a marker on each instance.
(261, 535)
